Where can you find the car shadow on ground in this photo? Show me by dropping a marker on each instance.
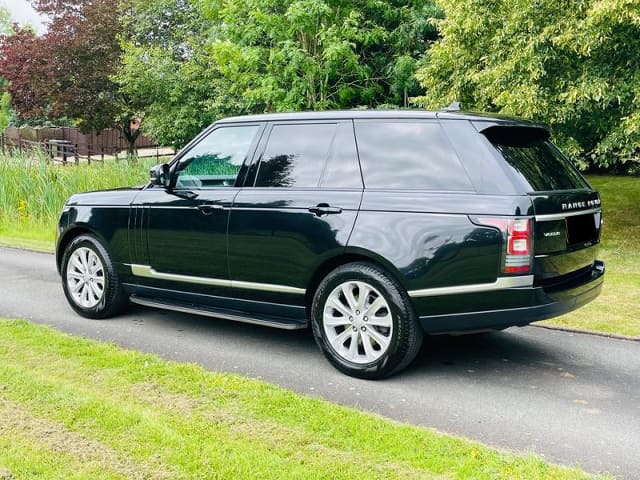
(492, 354)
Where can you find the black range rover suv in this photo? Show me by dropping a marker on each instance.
(374, 227)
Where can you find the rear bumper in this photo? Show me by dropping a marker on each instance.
(500, 309)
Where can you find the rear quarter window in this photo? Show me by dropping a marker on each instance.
(408, 155)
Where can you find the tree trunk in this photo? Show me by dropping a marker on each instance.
(131, 136)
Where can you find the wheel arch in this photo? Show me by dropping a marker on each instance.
(68, 236)
(348, 256)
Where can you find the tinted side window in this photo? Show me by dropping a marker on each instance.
(216, 160)
(295, 155)
(342, 169)
(408, 155)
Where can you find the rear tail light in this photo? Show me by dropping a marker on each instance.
(518, 257)
(517, 234)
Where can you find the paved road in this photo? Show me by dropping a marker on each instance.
(572, 398)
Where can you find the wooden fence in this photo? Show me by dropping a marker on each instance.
(65, 144)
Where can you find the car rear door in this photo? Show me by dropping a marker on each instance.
(296, 210)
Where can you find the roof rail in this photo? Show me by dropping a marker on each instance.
(453, 107)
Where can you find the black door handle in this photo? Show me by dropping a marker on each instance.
(324, 209)
(210, 209)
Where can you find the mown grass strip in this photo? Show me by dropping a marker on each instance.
(155, 415)
(58, 451)
(24, 456)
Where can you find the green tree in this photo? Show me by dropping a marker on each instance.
(320, 54)
(6, 114)
(212, 58)
(6, 23)
(572, 64)
(165, 66)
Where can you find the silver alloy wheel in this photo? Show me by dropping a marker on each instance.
(357, 322)
(85, 277)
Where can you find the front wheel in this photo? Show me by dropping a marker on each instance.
(89, 279)
(363, 322)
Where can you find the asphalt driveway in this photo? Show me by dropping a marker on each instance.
(572, 398)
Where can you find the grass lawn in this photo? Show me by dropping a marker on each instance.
(39, 237)
(617, 310)
(73, 408)
(29, 206)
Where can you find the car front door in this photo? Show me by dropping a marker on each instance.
(182, 242)
(296, 210)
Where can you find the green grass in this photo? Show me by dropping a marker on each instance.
(32, 194)
(74, 408)
(617, 309)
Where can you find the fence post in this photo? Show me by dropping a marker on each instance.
(3, 152)
(89, 154)
(76, 157)
(102, 153)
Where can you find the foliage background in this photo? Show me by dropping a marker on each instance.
(572, 64)
(216, 58)
(180, 64)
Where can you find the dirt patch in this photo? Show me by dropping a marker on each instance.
(6, 474)
(57, 438)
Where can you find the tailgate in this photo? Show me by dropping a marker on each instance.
(567, 210)
(567, 234)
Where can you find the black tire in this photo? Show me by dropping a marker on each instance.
(406, 334)
(113, 298)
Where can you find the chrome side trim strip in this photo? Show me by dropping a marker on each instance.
(236, 318)
(500, 284)
(148, 272)
(560, 216)
(267, 287)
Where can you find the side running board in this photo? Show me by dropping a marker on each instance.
(256, 319)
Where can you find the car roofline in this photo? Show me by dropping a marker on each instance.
(382, 115)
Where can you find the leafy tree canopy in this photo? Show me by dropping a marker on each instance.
(166, 66)
(6, 24)
(67, 71)
(571, 64)
(26, 73)
(213, 58)
(6, 27)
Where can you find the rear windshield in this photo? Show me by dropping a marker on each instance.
(534, 159)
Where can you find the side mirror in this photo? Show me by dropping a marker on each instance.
(160, 175)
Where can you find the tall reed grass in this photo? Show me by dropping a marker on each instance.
(33, 191)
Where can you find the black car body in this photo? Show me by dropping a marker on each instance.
(478, 222)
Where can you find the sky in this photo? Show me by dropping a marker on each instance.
(23, 13)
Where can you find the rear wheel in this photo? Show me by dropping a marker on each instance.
(363, 322)
(89, 279)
